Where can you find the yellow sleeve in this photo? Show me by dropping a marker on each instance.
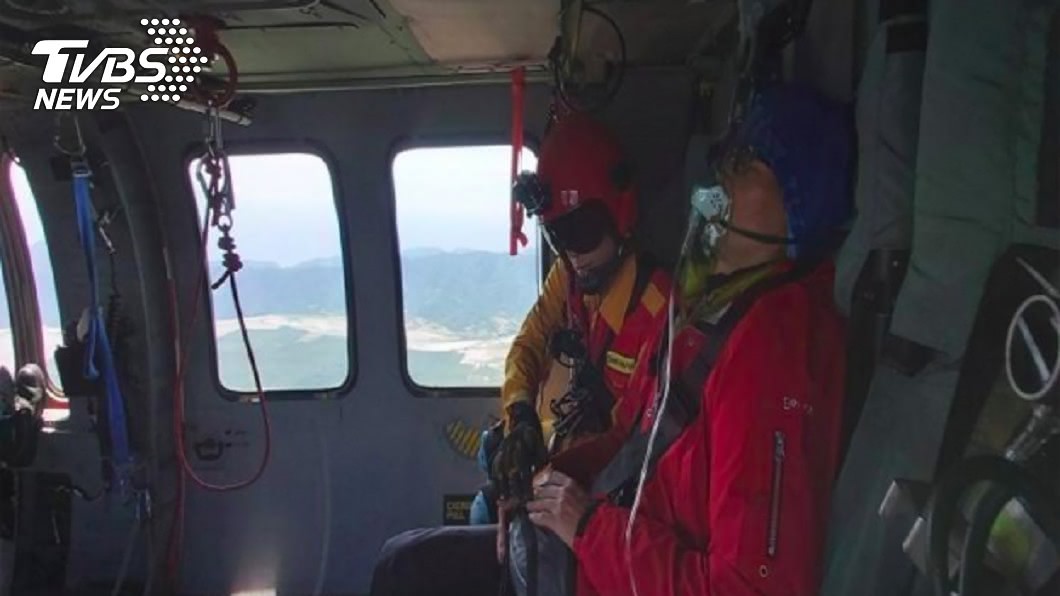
(527, 364)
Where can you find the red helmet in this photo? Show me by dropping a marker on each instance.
(580, 163)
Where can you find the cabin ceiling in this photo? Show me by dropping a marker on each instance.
(296, 43)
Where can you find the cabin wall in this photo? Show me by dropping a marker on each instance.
(353, 469)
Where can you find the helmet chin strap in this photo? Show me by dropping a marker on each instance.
(758, 236)
(596, 280)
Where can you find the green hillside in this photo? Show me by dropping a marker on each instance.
(470, 302)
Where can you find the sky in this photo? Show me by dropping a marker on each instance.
(452, 198)
(456, 198)
(27, 205)
(447, 198)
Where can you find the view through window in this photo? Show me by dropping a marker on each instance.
(464, 296)
(292, 286)
(7, 340)
(43, 276)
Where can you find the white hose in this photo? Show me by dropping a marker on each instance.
(149, 581)
(665, 375)
(651, 445)
(123, 571)
(325, 535)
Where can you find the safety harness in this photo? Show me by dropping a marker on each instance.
(711, 332)
(586, 406)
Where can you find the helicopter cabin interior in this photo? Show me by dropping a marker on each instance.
(350, 163)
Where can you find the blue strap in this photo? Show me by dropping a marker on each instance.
(99, 360)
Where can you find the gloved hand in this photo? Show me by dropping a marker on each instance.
(521, 453)
(7, 392)
(30, 388)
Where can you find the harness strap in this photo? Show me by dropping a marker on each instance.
(599, 341)
(99, 358)
(578, 318)
(619, 478)
(644, 273)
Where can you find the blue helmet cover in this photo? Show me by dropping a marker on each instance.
(808, 143)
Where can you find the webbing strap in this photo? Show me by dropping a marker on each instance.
(99, 359)
(620, 476)
(645, 270)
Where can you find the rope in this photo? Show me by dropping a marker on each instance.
(219, 204)
(516, 236)
(205, 29)
(214, 176)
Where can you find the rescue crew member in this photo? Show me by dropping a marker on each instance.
(736, 497)
(601, 301)
(600, 292)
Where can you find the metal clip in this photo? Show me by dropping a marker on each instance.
(78, 150)
(214, 173)
(103, 221)
(214, 114)
(212, 138)
(77, 153)
(143, 505)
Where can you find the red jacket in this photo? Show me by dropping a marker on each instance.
(706, 520)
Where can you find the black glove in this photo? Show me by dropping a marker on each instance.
(521, 453)
(30, 387)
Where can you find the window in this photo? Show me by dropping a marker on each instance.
(40, 260)
(464, 297)
(7, 338)
(293, 283)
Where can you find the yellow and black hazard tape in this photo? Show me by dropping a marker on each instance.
(463, 438)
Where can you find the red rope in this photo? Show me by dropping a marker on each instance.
(176, 536)
(178, 393)
(516, 237)
(206, 38)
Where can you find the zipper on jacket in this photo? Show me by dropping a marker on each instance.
(774, 495)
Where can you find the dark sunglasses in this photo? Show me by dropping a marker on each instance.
(580, 231)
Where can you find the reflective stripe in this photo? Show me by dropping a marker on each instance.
(620, 363)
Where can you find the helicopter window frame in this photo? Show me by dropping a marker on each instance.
(21, 197)
(257, 149)
(7, 324)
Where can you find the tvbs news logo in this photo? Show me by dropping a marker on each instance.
(161, 73)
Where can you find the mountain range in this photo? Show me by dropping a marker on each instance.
(456, 289)
(463, 297)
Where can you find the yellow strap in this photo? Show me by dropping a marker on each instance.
(723, 295)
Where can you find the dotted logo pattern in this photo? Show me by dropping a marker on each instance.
(185, 61)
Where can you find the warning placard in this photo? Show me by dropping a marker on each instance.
(456, 509)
